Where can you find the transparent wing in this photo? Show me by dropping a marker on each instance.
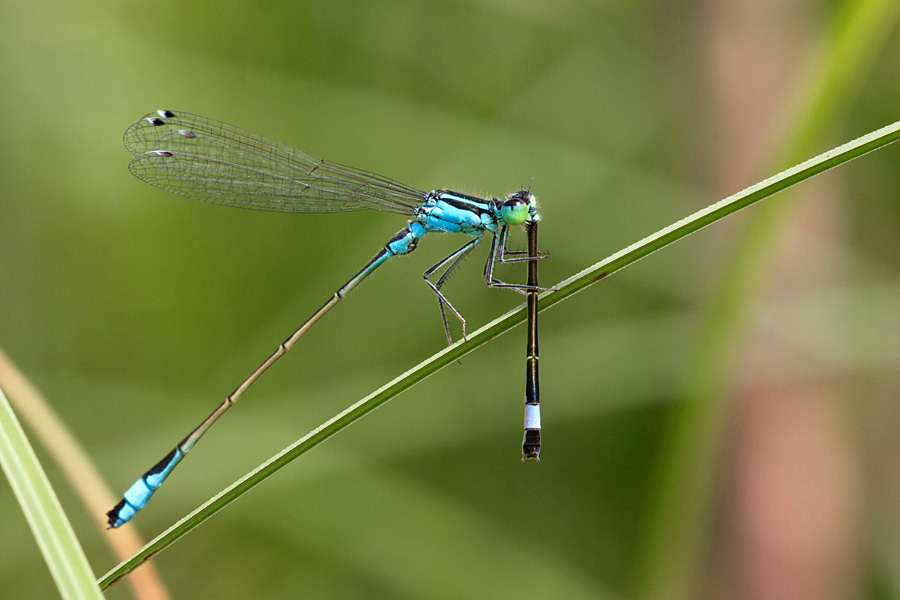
(212, 161)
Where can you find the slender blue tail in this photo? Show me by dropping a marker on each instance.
(140, 491)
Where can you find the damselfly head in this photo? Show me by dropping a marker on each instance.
(519, 208)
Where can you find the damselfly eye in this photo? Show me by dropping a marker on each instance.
(514, 211)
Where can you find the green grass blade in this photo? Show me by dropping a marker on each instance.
(50, 431)
(51, 529)
(564, 290)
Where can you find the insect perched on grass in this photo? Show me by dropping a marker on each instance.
(212, 161)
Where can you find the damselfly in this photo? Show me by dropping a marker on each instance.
(212, 161)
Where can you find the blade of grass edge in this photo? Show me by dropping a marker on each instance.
(49, 525)
(51, 432)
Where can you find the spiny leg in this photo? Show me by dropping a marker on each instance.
(517, 255)
(499, 252)
(454, 258)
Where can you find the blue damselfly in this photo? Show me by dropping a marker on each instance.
(212, 161)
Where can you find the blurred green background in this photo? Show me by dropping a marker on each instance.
(136, 311)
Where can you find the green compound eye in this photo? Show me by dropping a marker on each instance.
(514, 212)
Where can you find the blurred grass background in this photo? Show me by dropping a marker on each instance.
(136, 311)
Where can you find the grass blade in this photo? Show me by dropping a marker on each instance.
(48, 522)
